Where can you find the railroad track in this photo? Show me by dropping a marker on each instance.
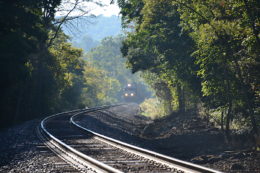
(88, 151)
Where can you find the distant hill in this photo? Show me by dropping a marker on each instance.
(86, 33)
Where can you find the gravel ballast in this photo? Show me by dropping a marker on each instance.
(188, 138)
(22, 151)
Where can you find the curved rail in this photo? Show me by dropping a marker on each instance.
(169, 161)
(100, 165)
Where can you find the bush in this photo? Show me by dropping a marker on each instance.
(153, 108)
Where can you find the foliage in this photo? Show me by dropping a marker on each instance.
(68, 72)
(107, 56)
(99, 88)
(86, 43)
(208, 50)
(153, 108)
(160, 46)
(227, 51)
(25, 60)
(38, 78)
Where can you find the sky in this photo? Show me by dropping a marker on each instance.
(107, 10)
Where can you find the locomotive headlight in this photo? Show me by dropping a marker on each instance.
(132, 94)
(126, 94)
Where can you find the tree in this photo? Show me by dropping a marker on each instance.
(68, 70)
(107, 57)
(68, 11)
(86, 43)
(160, 45)
(228, 53)
(99, 88)
(22, 28)
(208, 48)
(37, 78)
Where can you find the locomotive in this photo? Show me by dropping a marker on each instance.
(130, 93)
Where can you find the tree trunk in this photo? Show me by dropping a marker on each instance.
(222, 121)
(252, 19)
(168, 106)
(181, 99)
(228, 119)
(253, 122)
(249, 102)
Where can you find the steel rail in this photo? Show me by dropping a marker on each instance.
(103, 167)
(56, 149)
(169, 161)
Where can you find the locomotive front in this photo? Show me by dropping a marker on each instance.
(130, 93)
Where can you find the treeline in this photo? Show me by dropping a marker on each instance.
(108, 58)
(200, 51)
(40, 75)
(97, 29)
(42, 72)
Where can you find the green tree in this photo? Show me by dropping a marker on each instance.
(22, 31)
(107, 56)
(207, 48)
(68, 71)
(227, 51)
(99, 88)
(160, 45)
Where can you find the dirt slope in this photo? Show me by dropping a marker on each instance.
(186, 137)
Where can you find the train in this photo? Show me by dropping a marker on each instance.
(130, 93)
